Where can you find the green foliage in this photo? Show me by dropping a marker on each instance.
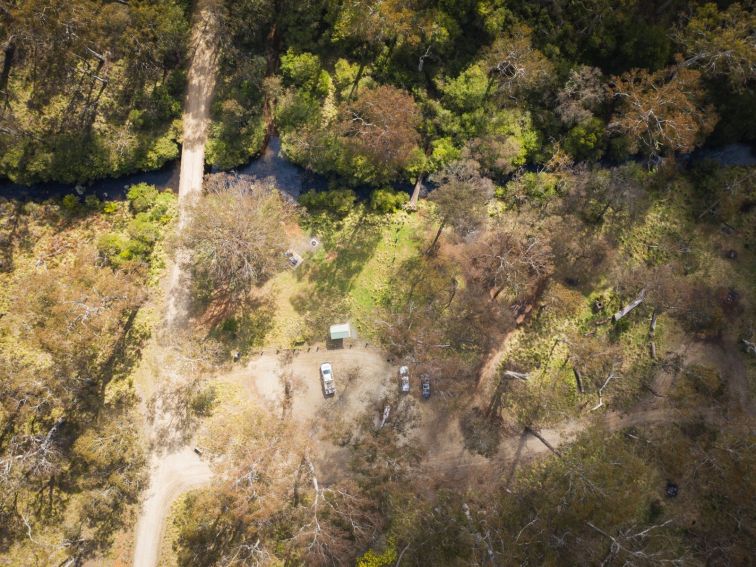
(467, 92)
(229, 147)
(338, 202)
(344, 75)
(304, 70)
(297, 109)
(153, 210)
(142, 197)
(387, 200)
(109, 207)
(78, 119)
(71, 203)
(443, 152)
(116, 247)
(92, 202)
(372, 559)
(585, 141)
(530, 187)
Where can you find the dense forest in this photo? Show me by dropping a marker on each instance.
(374, 92)
(514, 199)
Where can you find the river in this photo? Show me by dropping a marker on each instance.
(289, 177)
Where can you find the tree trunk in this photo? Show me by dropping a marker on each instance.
(495, 403)
(542, 439)
(386, 413)
(652, 327)
(651, 335)
(452, 295)
(357, 79)
(519, 375)
(416, 192)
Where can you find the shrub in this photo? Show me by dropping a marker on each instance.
(336, 201)
(92, 202)
(586, 140)
(535, 188)
(372, 559)
(109, 207)
(304, 70)
(114, 247)
(387, 200)
(143, 229)
(142, 197)
(70, 203)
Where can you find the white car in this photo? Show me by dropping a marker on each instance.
(326, 376)
(404, 384)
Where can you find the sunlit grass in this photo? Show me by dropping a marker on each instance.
(346, 278)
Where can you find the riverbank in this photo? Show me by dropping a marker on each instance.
(289, 177)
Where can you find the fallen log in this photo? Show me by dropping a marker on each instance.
(629, 307)
(652, 327)
(519, 375)
(578, 379)
(601, 392)
(651, 335)
(542, 439)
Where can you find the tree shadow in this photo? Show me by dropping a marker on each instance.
(331, 277)
(481, 433)
(247, 326)
(516, 459)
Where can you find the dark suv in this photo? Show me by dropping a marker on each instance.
(425, 386)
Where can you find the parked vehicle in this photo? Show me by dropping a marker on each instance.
(425, 387)
(404, 384)
(326, 376)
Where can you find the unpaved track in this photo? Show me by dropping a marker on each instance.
(455, 460)
(174, 473)
(201, 83)
(170, 476)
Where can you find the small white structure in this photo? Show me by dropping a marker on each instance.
(341, 331)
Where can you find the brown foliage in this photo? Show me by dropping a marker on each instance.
(381, 125)
(662, 111)
(515, 66)
(509, 258)
(580, 96)
(235, 238)
(462, 196)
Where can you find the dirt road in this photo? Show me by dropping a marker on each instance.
(176, 472)
(170, 476)
(201, 83)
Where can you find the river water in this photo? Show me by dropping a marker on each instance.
(289, 177)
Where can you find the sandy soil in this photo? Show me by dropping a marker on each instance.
(362, 376)
(365, 380)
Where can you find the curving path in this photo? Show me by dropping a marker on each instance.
(170, 476)
(176, 472)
